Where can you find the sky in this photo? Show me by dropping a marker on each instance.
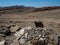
(33, 3)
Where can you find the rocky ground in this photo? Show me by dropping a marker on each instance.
(20, 29)
(27, 36)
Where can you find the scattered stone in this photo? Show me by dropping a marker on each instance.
(26, 36)
(14, 28)
(5, 30)
(8, 41)
(2, 37)
(15, 42)
(22, 41)
(2, 42)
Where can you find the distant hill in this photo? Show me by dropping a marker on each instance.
(14, 7)
(24, 9)
(47, 8)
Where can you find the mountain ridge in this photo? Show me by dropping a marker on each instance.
(12, 9)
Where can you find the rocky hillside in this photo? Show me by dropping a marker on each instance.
(34, 23)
